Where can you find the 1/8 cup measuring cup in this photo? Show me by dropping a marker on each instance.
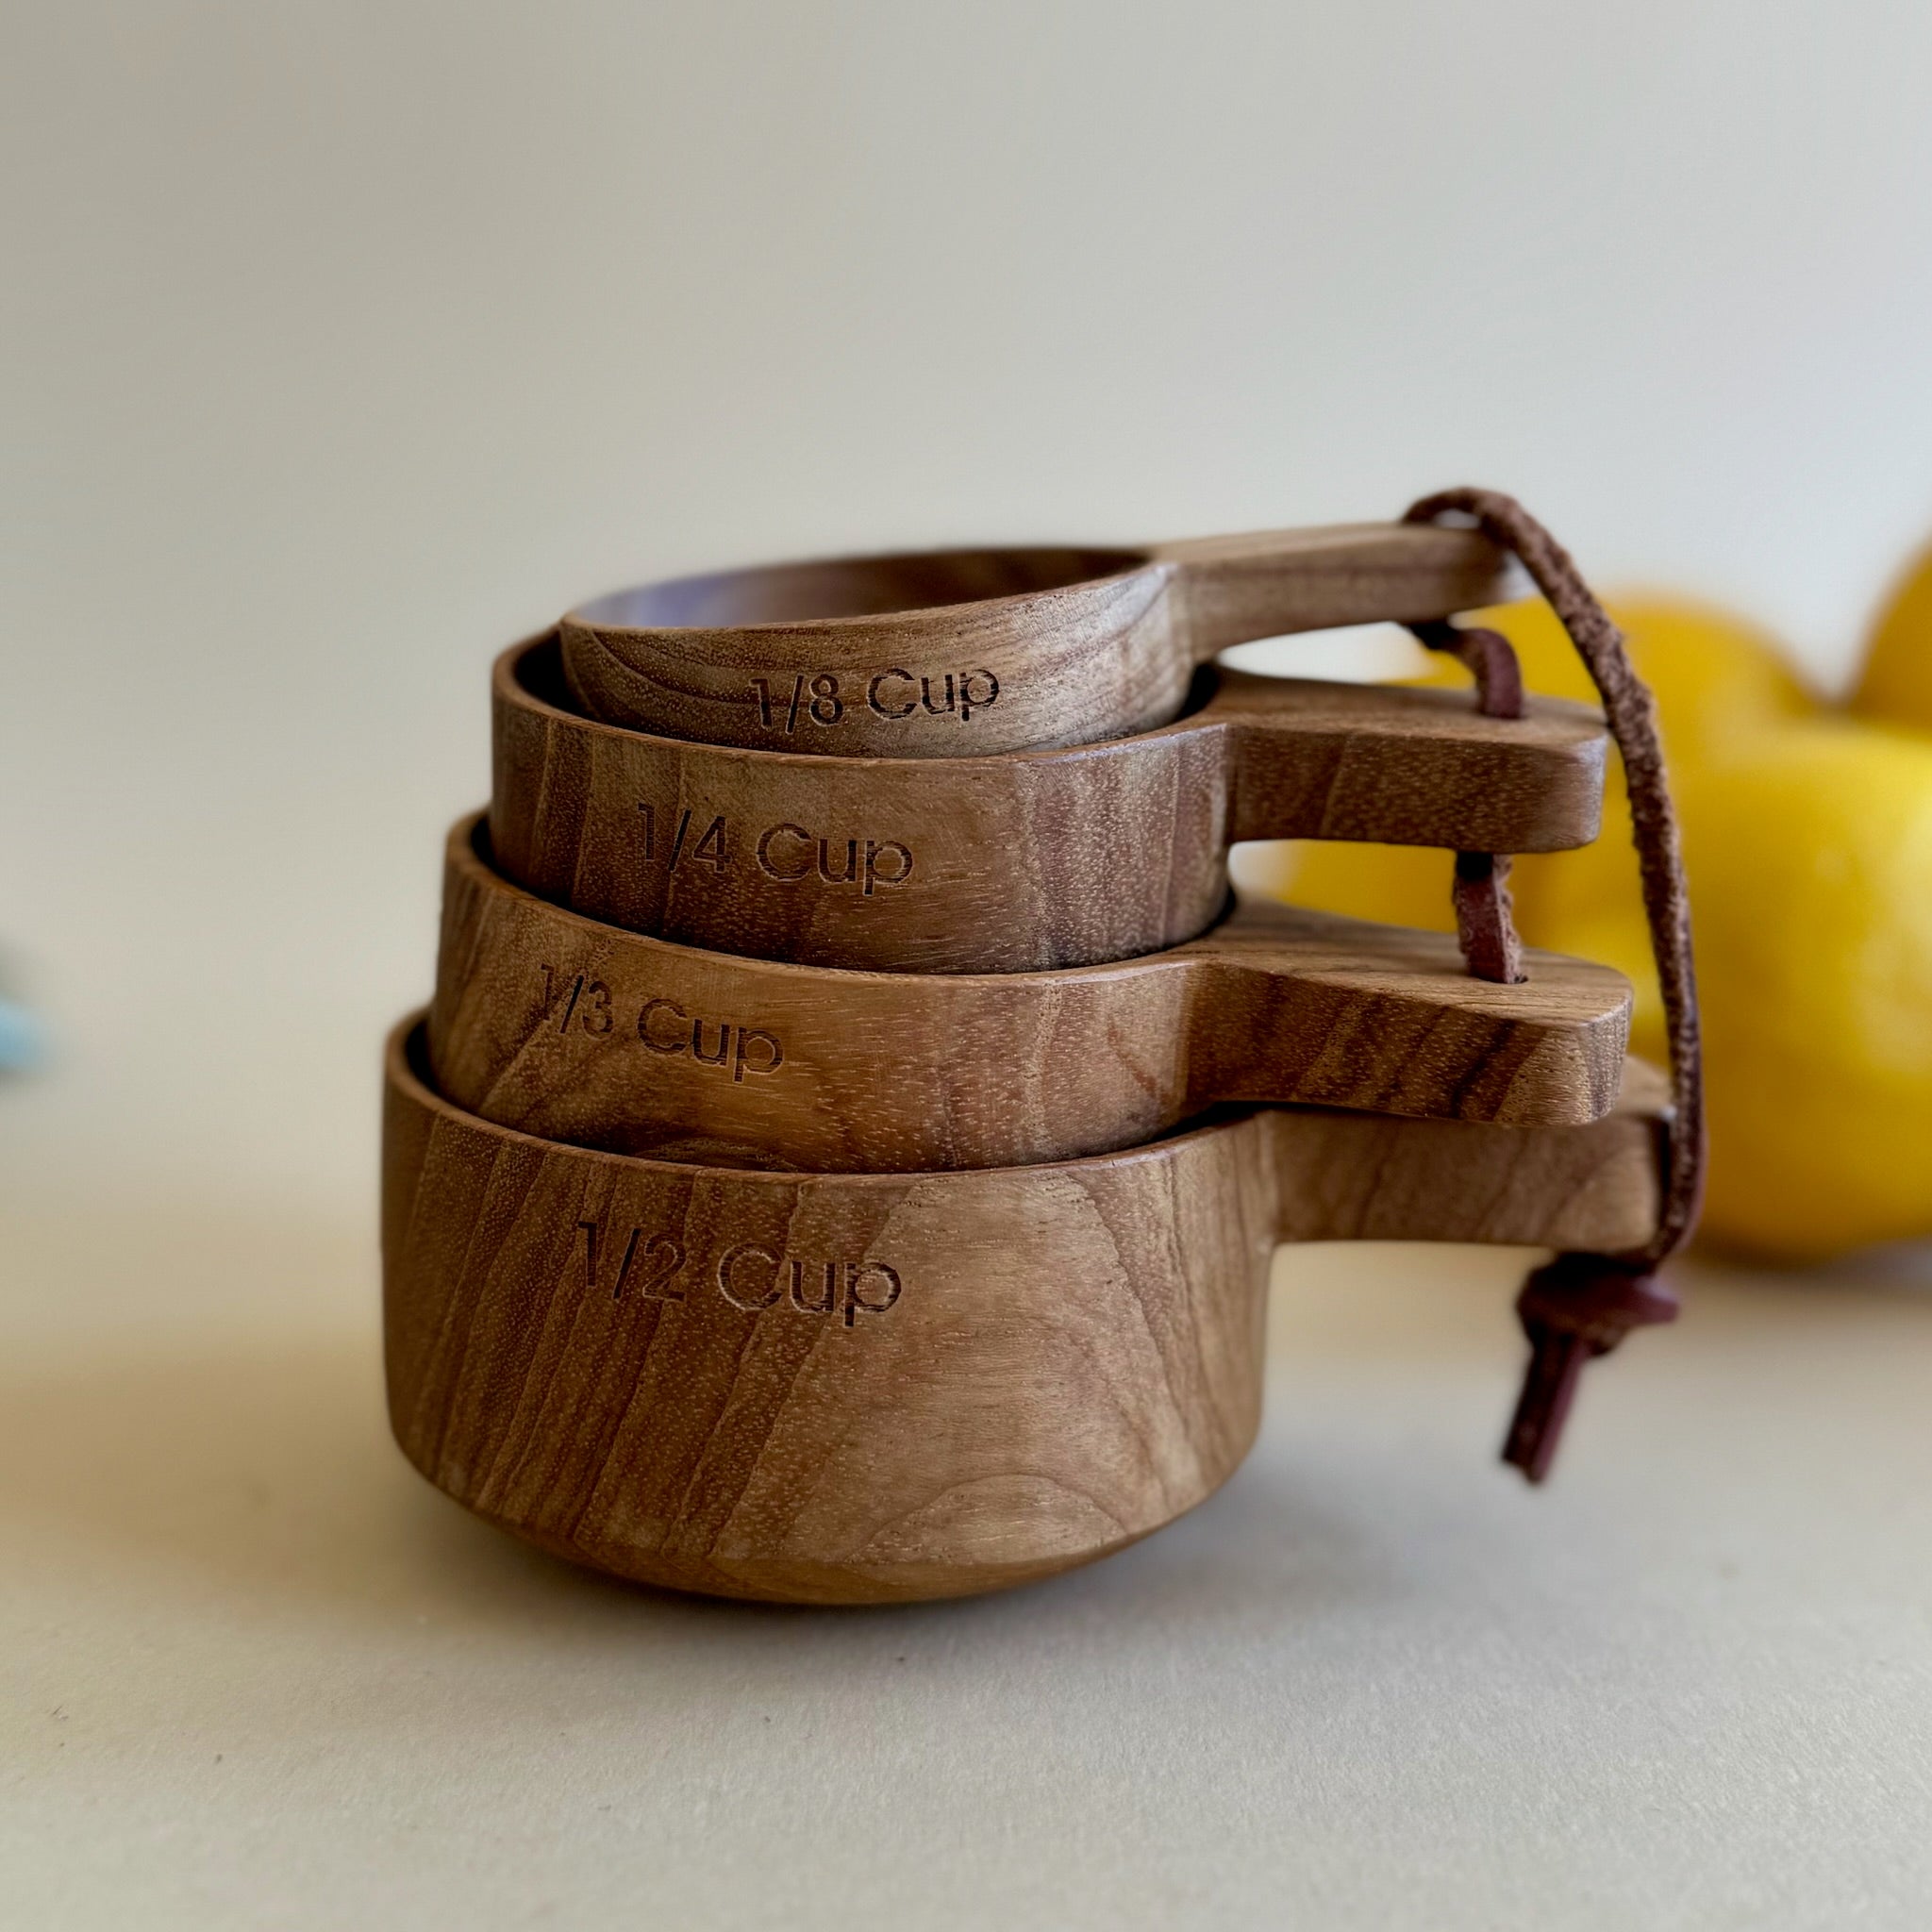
(961, 654)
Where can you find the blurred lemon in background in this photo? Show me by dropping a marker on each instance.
(1895, 683)
(1810, 849)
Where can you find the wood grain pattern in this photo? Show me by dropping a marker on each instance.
(964, 654)
(579, 1031)
(846, 1388)
(1005, 864)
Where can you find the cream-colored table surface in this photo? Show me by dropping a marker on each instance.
(258, 1674)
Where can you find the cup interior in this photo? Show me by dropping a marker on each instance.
(853, 587)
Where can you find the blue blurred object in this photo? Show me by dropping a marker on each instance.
(22, 1038)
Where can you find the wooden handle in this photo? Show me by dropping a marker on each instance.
(853, 1389)
(580, 1031)
(1067, 658)
(1401, 766)
(1273, 582)
(1359, 1176)
(1289, 1004)
(970, 654)
(1011, 864)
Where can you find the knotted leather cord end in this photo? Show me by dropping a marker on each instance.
(1581, 1306)
(1485, 916)
(1573, 1309)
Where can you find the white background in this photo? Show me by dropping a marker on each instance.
(342, 343)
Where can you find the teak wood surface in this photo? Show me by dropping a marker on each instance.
(963, 653)
(580, 1031)
(853, 1389)
(1038, 859)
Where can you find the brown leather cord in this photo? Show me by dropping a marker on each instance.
(1485, 915)
(1486, 918)
(1490, 657)
(1581, 1306)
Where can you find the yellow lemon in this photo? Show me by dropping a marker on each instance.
(1400, 885)
(1715, 676)
(1897, 681)
(1809, 849)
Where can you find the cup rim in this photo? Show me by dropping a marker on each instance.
(406, 1057)
(510, 681)
(617, 612)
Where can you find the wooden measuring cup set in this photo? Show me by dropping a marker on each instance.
(842, 1155)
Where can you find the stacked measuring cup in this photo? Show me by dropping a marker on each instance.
(842, 1156)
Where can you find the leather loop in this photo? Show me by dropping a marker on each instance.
(1632, 716)
(1490, 657)
(1581, 1306)
(1485, 916)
